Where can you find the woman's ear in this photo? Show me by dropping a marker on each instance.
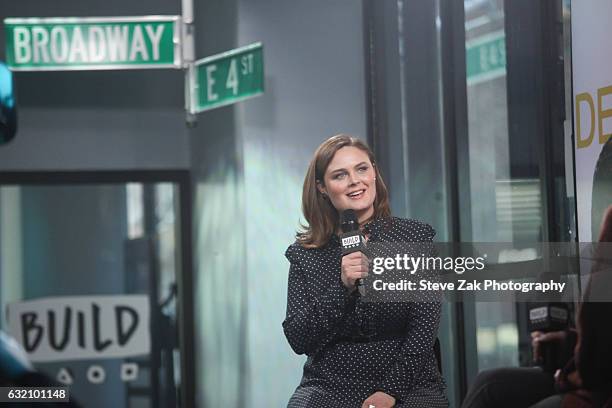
(321, 188)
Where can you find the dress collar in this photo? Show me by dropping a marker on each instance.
(372, 227)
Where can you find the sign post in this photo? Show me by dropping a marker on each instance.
(188, 57)
(227, 78)
(61, 44)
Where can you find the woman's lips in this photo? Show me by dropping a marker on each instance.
(356, 195)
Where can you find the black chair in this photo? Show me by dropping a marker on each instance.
(438, 353)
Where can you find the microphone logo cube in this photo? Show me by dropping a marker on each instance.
(351, 241)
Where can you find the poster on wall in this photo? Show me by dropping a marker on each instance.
(81, 327)
(592, 96)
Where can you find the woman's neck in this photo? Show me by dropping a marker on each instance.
(361, 225)
(365, 216)
(362, 221)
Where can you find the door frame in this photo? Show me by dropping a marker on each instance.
(182, 178)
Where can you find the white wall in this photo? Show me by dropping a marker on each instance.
(315, 88)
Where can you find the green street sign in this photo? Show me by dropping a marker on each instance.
(61, 44)
(485, 57)
(226, 78)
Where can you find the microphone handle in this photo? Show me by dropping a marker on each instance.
(359, 283)
(361, 286)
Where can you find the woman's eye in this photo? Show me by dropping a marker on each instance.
(363, 169)
(338, 176)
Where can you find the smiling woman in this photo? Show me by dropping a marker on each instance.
(360, 353)
(349, 182)
(342, 175)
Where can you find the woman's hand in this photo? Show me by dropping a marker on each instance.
(379, 400)
(538, 337)
(354, 266)
(574, 379)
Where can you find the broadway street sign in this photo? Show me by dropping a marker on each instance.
(60, 44)
(226, 78)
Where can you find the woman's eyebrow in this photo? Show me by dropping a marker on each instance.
(343, 169)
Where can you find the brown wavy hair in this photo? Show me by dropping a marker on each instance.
(320, 214)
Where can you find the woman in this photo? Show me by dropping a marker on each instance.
(359, 354)
(589, 383)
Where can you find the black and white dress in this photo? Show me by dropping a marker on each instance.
(356, 348)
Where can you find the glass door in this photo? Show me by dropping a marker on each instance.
(518, 144)
(89, 277)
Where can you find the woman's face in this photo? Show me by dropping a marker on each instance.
(350, 182)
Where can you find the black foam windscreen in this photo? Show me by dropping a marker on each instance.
(348, 221)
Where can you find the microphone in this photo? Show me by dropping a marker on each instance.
(547, 317)
(352, 240)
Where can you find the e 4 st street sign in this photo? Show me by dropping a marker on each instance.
(485, 57)
(226, 78)
(73, 43)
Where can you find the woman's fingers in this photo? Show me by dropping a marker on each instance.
(535, 347)
(354, 266)
(357, 271)
(539, 337)
(354, 258)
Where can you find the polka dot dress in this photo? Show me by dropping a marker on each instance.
(354, 347)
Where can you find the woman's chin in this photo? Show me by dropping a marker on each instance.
(359, 208)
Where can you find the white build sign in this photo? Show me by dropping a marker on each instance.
(81, 327)
(592, 96)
